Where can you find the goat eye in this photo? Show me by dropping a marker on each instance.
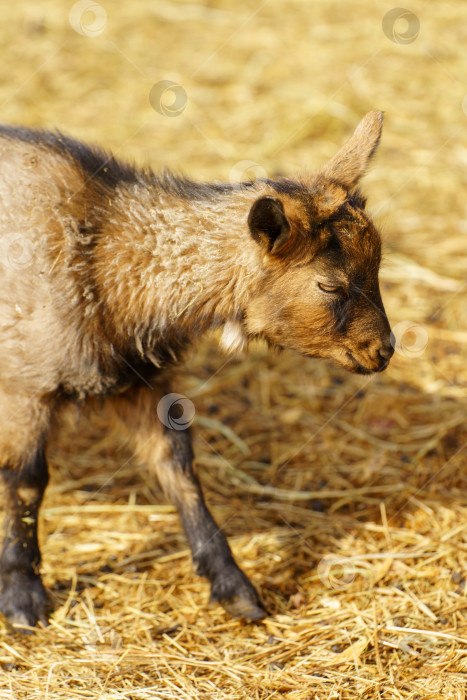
(330, 288)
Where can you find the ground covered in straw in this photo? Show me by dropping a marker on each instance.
(344, 498)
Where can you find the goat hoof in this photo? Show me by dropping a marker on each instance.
(23, 600)
(244, 608)
(239, 598)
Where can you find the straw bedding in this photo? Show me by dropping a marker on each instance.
(344, 498)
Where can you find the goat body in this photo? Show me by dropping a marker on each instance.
(108, 272)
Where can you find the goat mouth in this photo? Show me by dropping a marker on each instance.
(383, 366)
(357, 366)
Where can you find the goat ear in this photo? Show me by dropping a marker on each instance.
(268, 223)
(349, 164)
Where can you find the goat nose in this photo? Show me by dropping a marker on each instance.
(386, 351)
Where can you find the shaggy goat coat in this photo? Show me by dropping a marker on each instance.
(109, 272)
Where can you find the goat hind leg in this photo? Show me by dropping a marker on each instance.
(22, 595)
(23, 478)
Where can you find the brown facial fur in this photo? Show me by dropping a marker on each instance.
(342, 248)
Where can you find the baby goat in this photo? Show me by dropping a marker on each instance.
(107, 273)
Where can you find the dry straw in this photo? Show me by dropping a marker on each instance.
(344, 498)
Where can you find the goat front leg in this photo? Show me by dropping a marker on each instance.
(211, 553)
(168, 453)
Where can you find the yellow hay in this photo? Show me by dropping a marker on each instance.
(344, 498)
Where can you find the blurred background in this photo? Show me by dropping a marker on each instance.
(301, 461)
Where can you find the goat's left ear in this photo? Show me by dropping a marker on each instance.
(268, 223)
(349, 164)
